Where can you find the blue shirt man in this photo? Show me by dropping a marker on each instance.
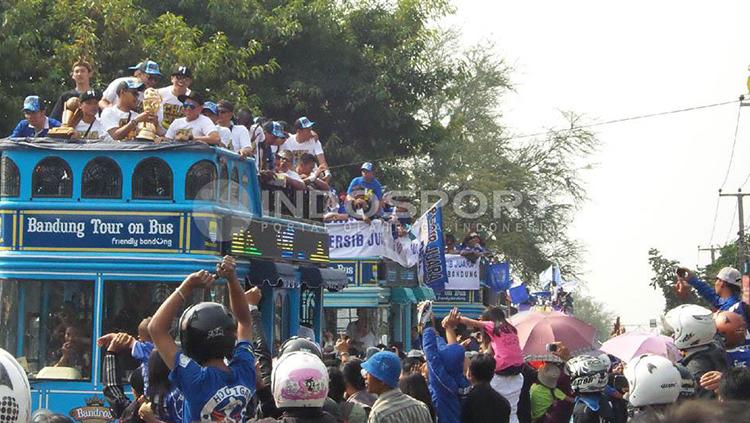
(368, 181)
(212, 394)
(37, 123)
(726, 292)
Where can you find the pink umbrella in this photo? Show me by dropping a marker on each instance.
(632, 344)
(537, 329)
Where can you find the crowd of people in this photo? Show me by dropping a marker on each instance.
(462, 369)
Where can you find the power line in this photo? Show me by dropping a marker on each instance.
(734, 143)
(590, 125)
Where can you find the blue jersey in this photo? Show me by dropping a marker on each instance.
(739, 357)
(23, 129)
(373, 186)
(141, 352)
(212, 394)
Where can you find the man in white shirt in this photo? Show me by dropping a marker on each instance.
(305, 141)
(293, 180)
(89, 127)
(182, 77)
(121, 121)
(194, 126)
(146, 72)
(240, 136)
(211, 111)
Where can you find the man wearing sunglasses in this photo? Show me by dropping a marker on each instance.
(211, 110)
(121, 121)
(147, 72)
(182, 77)
(194, 126)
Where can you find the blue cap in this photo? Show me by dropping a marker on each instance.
(211, 107)
(384, 366)
(303, 123)
(367, 166)
(149, 67)
(275, 129)
(130, 84)
(32, 103)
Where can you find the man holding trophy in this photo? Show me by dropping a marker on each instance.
(122, 121)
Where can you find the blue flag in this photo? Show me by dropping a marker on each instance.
(519, 294)
(432, 269)
(498, 276)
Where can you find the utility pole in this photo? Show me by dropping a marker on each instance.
(713, 251)
(741, 251)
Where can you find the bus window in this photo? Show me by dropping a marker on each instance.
(152, 180)
(235, 189)
(47, 325)
(223, 181)
(200, 183)
(10, 182)
(52, 178)
(102, 178)
(122, 314)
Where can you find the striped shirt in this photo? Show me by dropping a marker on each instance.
(396, 407)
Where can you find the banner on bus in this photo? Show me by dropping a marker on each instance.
(351, 240)
(428, 231)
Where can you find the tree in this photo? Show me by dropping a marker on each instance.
(594, 313)
(664, 278)
(476, 163)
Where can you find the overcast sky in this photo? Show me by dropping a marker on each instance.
(656, 180)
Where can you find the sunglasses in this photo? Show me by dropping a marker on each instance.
(181, 77)
(190, 106)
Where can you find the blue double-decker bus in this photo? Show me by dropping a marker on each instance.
(94, 236)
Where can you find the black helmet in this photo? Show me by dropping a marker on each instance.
(296, 343)
(208, 330)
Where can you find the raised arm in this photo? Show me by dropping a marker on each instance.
(237, 301)
(471, 322)
(160, 323)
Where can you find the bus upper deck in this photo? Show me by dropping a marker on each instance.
(94, 236)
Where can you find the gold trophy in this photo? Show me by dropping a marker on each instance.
(151, 104)
(72, 114)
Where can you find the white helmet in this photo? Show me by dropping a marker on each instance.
(730, 275)
(587, 374)
(653, 380)
(687, 383)
(692, 325)
(299, 380)
(15, 393)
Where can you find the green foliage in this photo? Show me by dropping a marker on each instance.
(663, 279)
(594, 313)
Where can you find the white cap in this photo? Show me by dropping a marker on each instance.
(730, 275)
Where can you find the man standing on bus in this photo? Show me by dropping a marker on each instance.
(121, 121)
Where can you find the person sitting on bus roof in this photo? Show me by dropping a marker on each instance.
(146, 72)
(194, 126)
(211, 110)
(273, 137)
(90, 127)
(121, 121)
(284, 171)
(209, 334)
(36, 123)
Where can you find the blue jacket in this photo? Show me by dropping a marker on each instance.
(709, 294)
(447, 382)
(23, 129)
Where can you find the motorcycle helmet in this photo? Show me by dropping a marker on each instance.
(587, 374)
(299, 380)
(693, 326)
(296, 343)
(208, 330)
(687, 383)
(653, 380)
(15, 392)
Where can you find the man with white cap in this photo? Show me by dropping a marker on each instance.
(147, 72)
(726, 293)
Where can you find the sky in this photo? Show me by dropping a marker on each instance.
(655, 182)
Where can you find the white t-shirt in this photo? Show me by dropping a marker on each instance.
(113, 117)
(311, 146)
(257, 136)
(110, 94)
(240, 138)
(292, 174)
(170, 105)
(225, 135)
(96, 131)
(200, 127)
